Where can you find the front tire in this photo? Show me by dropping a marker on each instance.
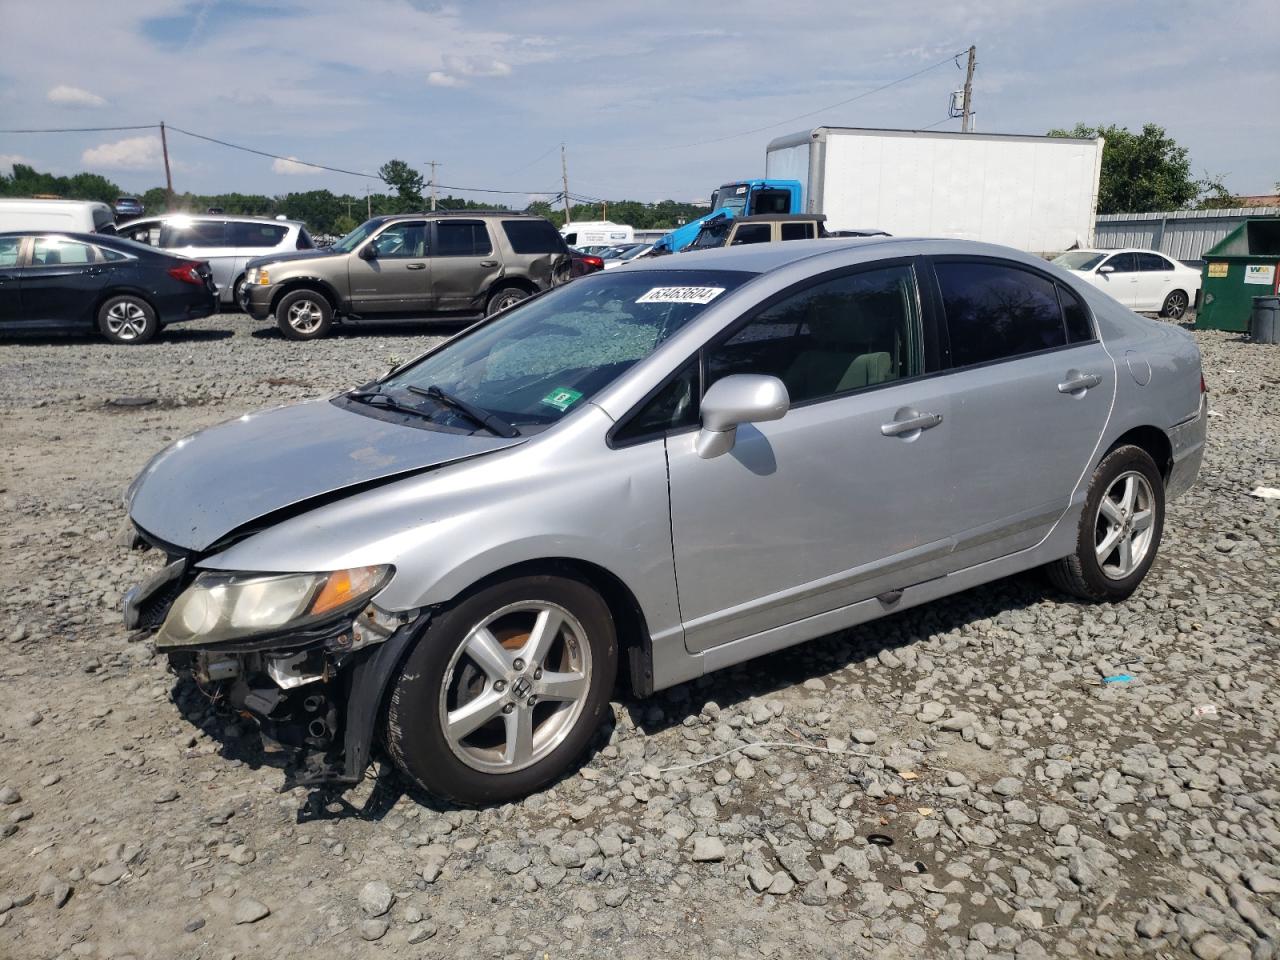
(503, 692)
(1175, 305)
(1119, 530)
(304, 315)
(127, 319)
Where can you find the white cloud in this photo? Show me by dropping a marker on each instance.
(438, 78)
(74, 97)
(131, 153)
(7, 160)
(291, 167)
(477, 66)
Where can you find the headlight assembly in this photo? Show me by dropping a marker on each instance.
(219, 607)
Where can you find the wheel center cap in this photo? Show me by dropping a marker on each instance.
(520, 689)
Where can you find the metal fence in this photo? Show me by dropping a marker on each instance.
(1181, 234)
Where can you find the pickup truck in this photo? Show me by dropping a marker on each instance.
(742, 198)
(725, 231)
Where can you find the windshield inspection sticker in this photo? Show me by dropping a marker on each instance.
(681, 295)
(562, 398)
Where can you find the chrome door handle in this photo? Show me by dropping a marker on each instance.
(416, 266)
(488, 263)
(1082, 381)
(921, 421)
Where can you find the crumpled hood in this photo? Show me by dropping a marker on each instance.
(199, 489)
(292, 255)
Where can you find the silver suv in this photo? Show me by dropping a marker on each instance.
(462, 264)
(226, 243)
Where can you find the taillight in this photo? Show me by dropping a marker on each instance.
(1203, 388)
(187, 272)
(594, 262)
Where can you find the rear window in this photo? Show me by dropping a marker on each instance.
(255, 234)
(304, 240)
(533, 236)
(461, 238)
(103, 216)
(197, 233)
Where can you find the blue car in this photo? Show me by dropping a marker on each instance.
(128, 207)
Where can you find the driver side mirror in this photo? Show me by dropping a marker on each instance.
(368, 252)
(737, 399)
(1106, 268)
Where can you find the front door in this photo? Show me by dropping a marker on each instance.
(397, 278)
(836, 501)
(1121, 281)
(464, 267)
(61, 281)
(10, 282)
(1031, 390)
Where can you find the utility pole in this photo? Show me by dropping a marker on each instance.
(368, 202)
(433, 184)
(168, 176)
(967, 108)
(564, 176)
(604, 209)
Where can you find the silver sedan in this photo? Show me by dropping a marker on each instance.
(650, 474)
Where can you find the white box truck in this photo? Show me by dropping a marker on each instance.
(1039, 194)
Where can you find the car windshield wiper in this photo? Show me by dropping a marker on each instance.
(491, 422)
(376, 398)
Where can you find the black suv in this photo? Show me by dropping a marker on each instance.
(415, 265)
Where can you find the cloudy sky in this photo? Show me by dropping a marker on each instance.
(653, 99)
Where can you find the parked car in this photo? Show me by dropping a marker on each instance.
(447, 263)
(1140, 279)
(762, 228)
(73, 216)
(627, 254)
(226, 243)
(659, 471)
(85, 281)
(129, 208)
(582, 264)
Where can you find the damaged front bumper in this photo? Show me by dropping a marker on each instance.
(315, 693)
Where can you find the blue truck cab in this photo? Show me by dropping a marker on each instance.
(741, 198)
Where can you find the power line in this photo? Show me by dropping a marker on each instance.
(140, 126)
(937, 123)
(832, 106)
(275, 156)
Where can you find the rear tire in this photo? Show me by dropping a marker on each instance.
(503, 298)
(1119, 531)
(504, 691)
(304, 315)
(1175, 305)
(127, 319)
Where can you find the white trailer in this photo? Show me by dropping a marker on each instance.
(1039, 194)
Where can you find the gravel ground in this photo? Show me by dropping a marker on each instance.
(968, 787)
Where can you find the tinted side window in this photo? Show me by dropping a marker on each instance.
(844, 334)
(255, 234)
(672, 407)
(461, 238)
(198, 233)
(1121, 263)
(304, 241)
(1152, 261)
(752, 233)
(532, 236)
(996, 311)
(106, 253)
(797, 231)
(9, 247)
(147, 233)
(53, 251)
(402, 240)
(103, 217)
(1076, 315)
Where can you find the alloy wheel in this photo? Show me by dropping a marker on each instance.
(126, 320)
(305, 316)
(510, 300)
(1176, 305)
(1124, 525)
(515, 687)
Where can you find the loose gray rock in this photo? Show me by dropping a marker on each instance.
(249, 910)
(375, 898)
(708, 850)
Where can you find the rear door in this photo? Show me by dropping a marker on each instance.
(246, 240)
(1030, 390)
(11, 281)
(203, 239)
(464, 266)
(60, 284)
(1121, 281)
(397, 280)
(1155, 281)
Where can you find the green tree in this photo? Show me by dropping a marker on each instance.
(344, 225)
(406, 181)
(1141, 172)
(26, 181)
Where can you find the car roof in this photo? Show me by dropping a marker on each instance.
(756, 257)
(231, 217)
(1119, 250)
(507, 214)
(781, 218)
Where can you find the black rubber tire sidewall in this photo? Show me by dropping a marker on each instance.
(413, 734)
(1164, 307)
(1081, 574)
(498, 295)
(282, 313)
(153, 323)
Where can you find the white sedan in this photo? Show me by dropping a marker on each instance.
(1140, 279)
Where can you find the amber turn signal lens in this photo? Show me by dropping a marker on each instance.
(343, 586)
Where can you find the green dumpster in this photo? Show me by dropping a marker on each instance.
(1243, 265)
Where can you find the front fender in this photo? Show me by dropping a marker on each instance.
(340, 302)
